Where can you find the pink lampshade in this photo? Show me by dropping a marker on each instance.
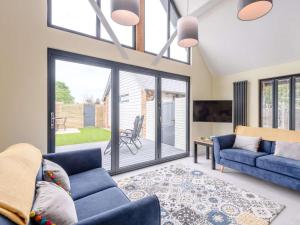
(125, 12)
(253, 9)
(187, 27)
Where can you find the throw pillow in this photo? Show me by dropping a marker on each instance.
(247, 143)
(53, 205)
(289, 150)
(55, 173)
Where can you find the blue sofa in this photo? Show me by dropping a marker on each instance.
(97, 198)
(262, 164)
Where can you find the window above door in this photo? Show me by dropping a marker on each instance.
(159, 20)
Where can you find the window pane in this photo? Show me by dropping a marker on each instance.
(283, 103)
(124, 33)
(176, 52)
(297, 103)
(267, 104)
(76, 15)
(173, 117)
(137, 118)
(83, 108)
(156, 26)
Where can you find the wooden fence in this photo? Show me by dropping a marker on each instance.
(74, 114)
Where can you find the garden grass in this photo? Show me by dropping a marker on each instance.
(86, 135)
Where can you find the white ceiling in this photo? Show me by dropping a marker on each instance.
(231, 46)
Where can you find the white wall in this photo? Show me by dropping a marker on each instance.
(150, 121)
(223, 90)
(180, 123)
(24, 40)
(129, 110)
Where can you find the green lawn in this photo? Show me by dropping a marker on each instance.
(86, 135)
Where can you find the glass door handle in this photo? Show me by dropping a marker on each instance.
(52, 117)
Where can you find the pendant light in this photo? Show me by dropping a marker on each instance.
(125, 12)
(253, 9)
(187, 27)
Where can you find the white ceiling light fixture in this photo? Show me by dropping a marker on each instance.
(187, 27)
(253, 9)
(125, 12)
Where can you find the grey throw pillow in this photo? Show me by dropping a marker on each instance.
(289, 150)
(247, 143)
(53, 205)
(56, 174)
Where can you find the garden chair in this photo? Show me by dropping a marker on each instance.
(130, 137)
(61, 122)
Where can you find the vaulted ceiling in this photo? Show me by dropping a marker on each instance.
(230, 46)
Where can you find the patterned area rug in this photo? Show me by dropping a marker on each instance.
(190, 197)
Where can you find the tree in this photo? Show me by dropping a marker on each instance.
(89, 99)
(63, 93)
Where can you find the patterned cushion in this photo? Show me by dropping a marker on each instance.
(56, 174)
(53, 205)
(247, 143)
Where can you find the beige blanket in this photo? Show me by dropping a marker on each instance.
(19, 165)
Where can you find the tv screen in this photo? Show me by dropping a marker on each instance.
(212, 111)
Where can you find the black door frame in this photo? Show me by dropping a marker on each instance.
(54, 54)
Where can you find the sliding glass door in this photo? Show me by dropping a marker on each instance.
(82, 118)
(173, 117)
(137, 116)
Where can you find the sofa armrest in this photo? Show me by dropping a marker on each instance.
(75, 162)
(142, 212)
(222, 142)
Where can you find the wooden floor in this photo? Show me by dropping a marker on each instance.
(144, 154)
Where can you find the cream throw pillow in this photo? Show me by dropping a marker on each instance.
(247, 143)
(289, 150)
(56, 174)
(53, 203)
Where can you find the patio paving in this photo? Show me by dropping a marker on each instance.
(146, 153)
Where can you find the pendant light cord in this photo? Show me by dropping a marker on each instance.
(187, 7)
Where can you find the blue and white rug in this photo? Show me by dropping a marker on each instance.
(190, 197)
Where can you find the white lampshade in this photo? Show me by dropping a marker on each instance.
(187, 27)
(125, 12)
(253, 9)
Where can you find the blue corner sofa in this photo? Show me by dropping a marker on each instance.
(97, 198)
(262, 164)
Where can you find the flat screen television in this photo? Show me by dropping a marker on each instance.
(212, 111)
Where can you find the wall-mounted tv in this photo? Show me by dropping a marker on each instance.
(212, 111)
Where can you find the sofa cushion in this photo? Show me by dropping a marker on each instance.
(100, 202)
(266, 146)
(47, 207)
(290, 150)
(247, 143)
(54, 173)
(241, 155)
(90, 182)
(289, 167)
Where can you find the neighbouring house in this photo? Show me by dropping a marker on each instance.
(137, 98)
